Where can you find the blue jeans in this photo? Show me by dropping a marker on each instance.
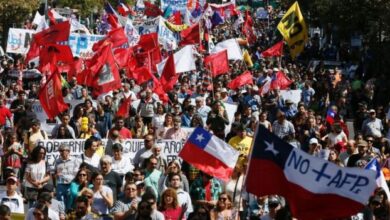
(62, 193)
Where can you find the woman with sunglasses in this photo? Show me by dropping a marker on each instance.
(224, 209)
(79, 182)
(37, 174)
(169, 206)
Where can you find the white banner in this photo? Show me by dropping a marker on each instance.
(171, 148)
(166, 37)
(81, 44)
(293, 95)
(48, 125)
(149, 26)
(19, 40)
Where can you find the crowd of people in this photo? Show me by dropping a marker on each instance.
(103, 183)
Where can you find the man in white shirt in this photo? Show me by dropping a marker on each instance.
(89, 156)
(11, 198)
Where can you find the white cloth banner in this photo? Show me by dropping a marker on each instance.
(233, 49)
(171, 148)
(149, 26)
(184, 60)
(166, 37)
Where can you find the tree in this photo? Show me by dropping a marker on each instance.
(13, 14)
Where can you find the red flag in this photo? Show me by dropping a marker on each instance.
(56, 33)
(116, 37)
(124, 108)
(149, 59)
(158, 89)
(190, 35)
(113, 21)
(217, 63)
(274, 51)
(280, 81)
(33, 51)
(107, 77)
(122, 56)
(176, 18)
(75, 68)
(245, 78)
(169, 77)
(54, 53)
(148, 41)
(152, 10)
(142, 75)
(51, 98)
(247, 30)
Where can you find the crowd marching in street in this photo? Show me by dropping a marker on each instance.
(174, 114)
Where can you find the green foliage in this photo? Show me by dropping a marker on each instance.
(15, 12)
(85, 7)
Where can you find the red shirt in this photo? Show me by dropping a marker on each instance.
(4, 114)
(124, 133)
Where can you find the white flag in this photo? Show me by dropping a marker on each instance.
(184, 60)
(233, 49)
(40, 21)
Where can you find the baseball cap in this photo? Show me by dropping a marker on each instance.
(362, 143)
(313, 141)
(371, 111)
(13, 178)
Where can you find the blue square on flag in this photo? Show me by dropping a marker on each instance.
(200, 137)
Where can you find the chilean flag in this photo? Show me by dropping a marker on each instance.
(210, 154)
(330, 115)
(314, 188)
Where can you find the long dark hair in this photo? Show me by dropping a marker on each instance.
(35, 153)
(67, 134)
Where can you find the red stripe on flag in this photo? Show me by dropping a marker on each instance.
(267, 178)
(205, 162)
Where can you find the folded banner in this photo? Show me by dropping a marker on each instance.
(175, 27)
(213, 156)
(314, 188)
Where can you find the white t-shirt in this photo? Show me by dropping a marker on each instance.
(15, 202)
(336, 138)
(37, 171)
(94, 161)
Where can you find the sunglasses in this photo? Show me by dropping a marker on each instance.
(82, 174)
(222, 199)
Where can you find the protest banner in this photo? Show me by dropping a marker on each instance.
(19, 40)
(46, 124)
(149, 26)
(176, 5)
(166, 37)
(80, 44)
(293, 95)
(170, 149)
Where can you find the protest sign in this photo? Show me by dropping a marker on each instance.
(176, 5)
(170, 149)
(147, 27)
(46, 124)
(166, 37)
(293, 95)
(19, 40)
(80, 44)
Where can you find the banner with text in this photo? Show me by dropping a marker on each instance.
(81, 44)
(171, 148)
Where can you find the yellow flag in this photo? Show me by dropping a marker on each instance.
(247, 58)
(293, 29)
(175, 27)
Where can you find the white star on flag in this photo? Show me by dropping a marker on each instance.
(199, 137)
(270, 147)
